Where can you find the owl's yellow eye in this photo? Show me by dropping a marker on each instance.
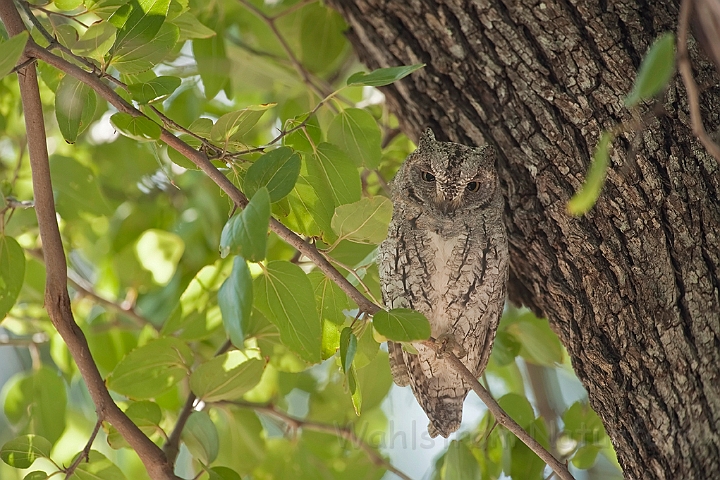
(427, 176)
(473, 187)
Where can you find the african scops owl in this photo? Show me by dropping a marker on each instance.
(445, 256)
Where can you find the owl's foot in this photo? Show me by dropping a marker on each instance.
(448, 343)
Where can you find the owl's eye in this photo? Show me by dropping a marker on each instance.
(427, 176)
(473, 187)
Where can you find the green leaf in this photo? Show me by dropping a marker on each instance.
(238, 123)
(67, 5)
(75, 105)
(585, 198)
(190, 27)
(155, 90)
(235, 299)
(12, 51)
(655, 71)
(582, 424)
(585, 457)
(365, 221)
(322, 41)
(96, 41)
(138, 128)
(98, 468)
(460, 464)
(348, 347)
(39, 398)
(402, 325)
(140, 25)
(278, 170)
(355, 390)
(285, 296)
(382, 76)
(539, 343)
(213, 64)
(142, 56)
(21, 452)
(226, 377)
(246, 234)
(505, 348)
(36, 475)
(223, 473)
(146, 415)
(519, 408)
(357, 133)
(341, 173)
(329, 298)
(152, 369)
(12, 273)
(201, 437)
(76, 189)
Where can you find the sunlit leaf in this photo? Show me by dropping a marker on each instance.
(190, 27)
(226, 377)
(246, 233)
(21, 452)
(518, 407)
(277, 170)
(383, 76)
(213, 64)
(341, 173)
(145, 414)
(12, 272)
(460, 464)
(321, 37)
(12, 51)
(585, 457)
(331, 300)
(539, 343)
(235, 298)
(139, 24)
(98, 468)
(365, 221)
(357, 133)
(96, 41)
(67, 5)
(152, 369)
(238, 123)
(402, 325)
(223, 473)
(75, 105)
(285, 296)
(655, 71)
(141, 56)
(76, 188)
(588, 194)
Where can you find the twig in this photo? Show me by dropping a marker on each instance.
(690, 86)
(85, 454)
(342, 432)
(172, 445)
(499, 414)
(57, 299)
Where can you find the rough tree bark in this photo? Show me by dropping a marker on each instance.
(632, 288)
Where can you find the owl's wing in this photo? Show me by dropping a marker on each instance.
(393, 297)
(397, 364)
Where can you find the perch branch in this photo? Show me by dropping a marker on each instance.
(691, 87)
(502, 418)
(57, 299)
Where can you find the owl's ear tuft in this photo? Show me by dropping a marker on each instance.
(427, 138)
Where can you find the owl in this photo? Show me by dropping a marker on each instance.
(445, 256)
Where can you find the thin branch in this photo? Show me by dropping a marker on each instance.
(343, 432)
(693, 95)
(497, 411)
(85, 454)
(172, 445)
(57, 299)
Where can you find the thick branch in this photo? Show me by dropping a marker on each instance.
(57, 300)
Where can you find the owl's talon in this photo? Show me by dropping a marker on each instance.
(448, 343)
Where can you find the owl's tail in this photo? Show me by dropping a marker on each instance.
(445, 415)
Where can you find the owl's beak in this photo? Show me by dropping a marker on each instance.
(447, 205)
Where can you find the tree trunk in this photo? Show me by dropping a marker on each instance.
(632, 287)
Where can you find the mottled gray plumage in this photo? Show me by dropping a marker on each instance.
(446, 256)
